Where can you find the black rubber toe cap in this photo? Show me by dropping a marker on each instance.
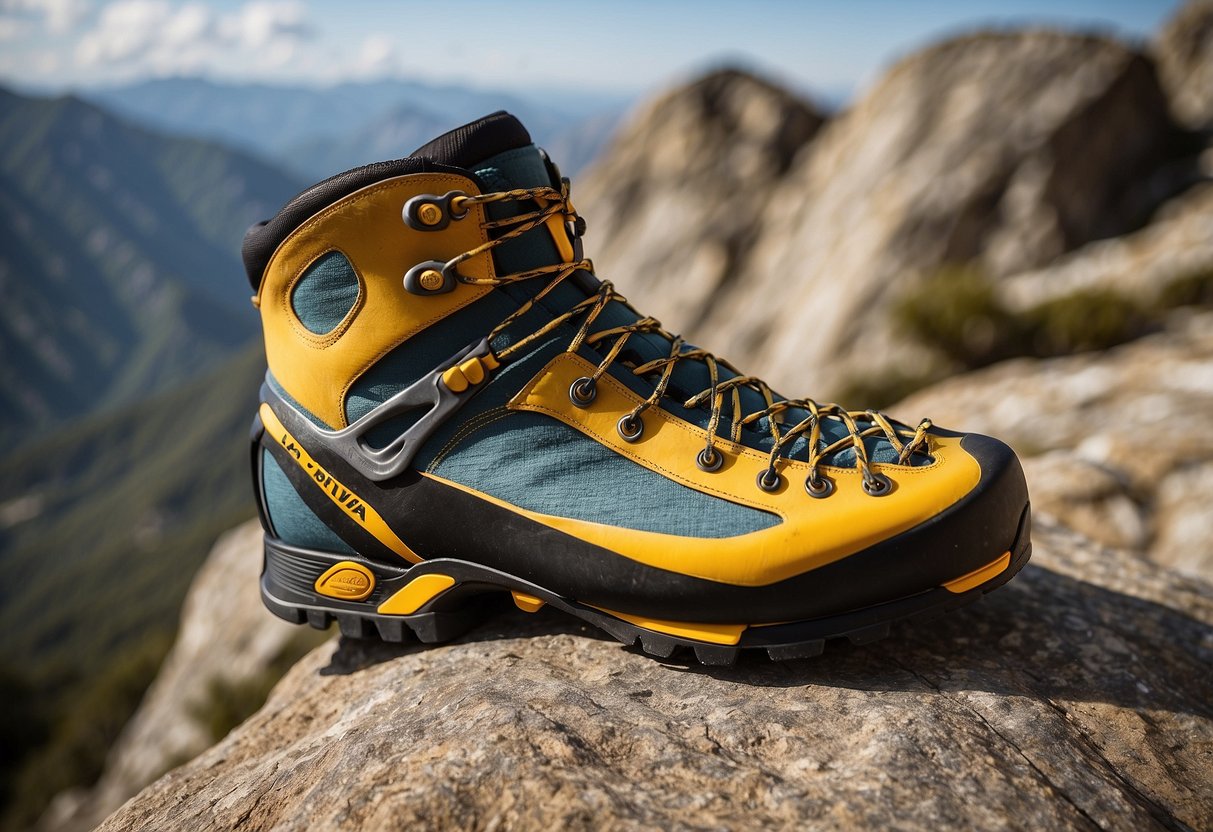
(966, 536)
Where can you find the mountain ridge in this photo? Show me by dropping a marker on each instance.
(119, 265)
(318, 131)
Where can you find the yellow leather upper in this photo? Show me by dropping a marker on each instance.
(366, 226)
(813, 532)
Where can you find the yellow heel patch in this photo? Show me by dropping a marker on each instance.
(346, 580)
(979, 576)
(416, 594)
(527, 603)
(712, 633)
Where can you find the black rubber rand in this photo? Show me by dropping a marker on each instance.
(498, 553)
(290, 572)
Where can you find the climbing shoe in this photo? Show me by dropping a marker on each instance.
(458, 413)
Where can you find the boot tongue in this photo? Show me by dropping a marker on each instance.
(467, 146)
(498, 149)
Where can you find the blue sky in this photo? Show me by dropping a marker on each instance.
(625, 46)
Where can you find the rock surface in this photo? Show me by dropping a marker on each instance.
(1007, 150)
(1185, 61)
(1118, 443)
(226, 637)
(1077, 696)
(1178, 243)
(675, 205)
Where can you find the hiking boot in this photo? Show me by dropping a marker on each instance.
(458, 410)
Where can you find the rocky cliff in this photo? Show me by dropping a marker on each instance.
(676, 204)
(1185, 57)
(1000, 150)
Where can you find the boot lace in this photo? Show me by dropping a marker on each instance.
(859, 425)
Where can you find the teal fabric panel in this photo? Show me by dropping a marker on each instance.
(505, 383)
(417, 357)
(539, 463)
(325, 293)
(291, 518)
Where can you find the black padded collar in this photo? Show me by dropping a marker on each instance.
(453, 152)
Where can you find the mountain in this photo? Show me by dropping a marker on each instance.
(103, 523)
(574, 141)
(320, 131)
(989, 154)
(118, 259)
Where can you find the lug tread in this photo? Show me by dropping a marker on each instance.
(462, 614)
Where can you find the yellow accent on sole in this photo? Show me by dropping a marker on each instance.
(416, 594)
(527, 603)
(979, 576)
(354, 506)
(346, 580)
(713, 633)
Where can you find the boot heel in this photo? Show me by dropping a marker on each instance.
(293, 589)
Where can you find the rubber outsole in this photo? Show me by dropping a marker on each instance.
(290, 572)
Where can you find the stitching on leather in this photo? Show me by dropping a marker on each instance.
(471, 426)
(521, 401)
(329, 338)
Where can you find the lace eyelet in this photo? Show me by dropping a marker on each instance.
(583, 391)
(877, 485)
(820, 488)
(433, 277)
(771, 483)
(630, 427)
(452, 208)
(709, 460)
(430, 212)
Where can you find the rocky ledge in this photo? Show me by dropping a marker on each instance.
(1076, 697)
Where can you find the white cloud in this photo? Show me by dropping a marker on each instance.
(135, 37)
(12, 28)
(262, 23)
(57, 16)
(375, 58)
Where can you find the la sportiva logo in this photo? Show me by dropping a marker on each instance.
(341, 495)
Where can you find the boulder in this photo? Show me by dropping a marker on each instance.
(1118, 443)
(1176, 245)
(1184, 50)
(1076, 697)
(675, 204)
